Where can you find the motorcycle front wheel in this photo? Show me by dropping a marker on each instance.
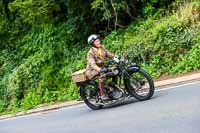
(140, 85)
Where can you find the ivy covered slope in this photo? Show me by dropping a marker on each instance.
(170, 45)
(39, 69)
(37, 61)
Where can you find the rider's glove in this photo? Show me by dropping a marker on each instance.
(104, 70)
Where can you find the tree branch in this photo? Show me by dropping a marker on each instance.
(115, 12)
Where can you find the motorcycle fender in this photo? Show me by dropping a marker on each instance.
(133, 68)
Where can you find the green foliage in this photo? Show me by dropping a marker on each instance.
(190, 61)
(158, 45)
(109, 7)
(31, 99)
(155, 7)
(43, 67)
(34, 11)
(2, 105)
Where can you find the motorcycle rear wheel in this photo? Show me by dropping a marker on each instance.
(89, 94)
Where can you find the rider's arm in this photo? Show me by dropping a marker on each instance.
(108, 53)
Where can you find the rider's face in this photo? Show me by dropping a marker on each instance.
(97, 43)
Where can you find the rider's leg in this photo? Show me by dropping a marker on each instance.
(102, 87)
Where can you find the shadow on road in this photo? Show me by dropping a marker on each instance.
(127, 102)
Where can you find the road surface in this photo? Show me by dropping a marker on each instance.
(175, 110)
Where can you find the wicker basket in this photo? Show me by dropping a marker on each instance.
(79, 76)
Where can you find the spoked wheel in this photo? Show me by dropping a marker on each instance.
(140, 85)
(90, 95)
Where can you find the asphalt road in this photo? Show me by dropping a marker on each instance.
(175, 110)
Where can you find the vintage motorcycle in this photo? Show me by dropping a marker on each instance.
(123, 79)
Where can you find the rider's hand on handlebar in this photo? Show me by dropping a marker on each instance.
(104, 70)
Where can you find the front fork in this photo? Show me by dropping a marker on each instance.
(129, 79)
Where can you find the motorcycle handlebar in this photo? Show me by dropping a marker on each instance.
(119, 59)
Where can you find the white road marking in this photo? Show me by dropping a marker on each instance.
(176, 86)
